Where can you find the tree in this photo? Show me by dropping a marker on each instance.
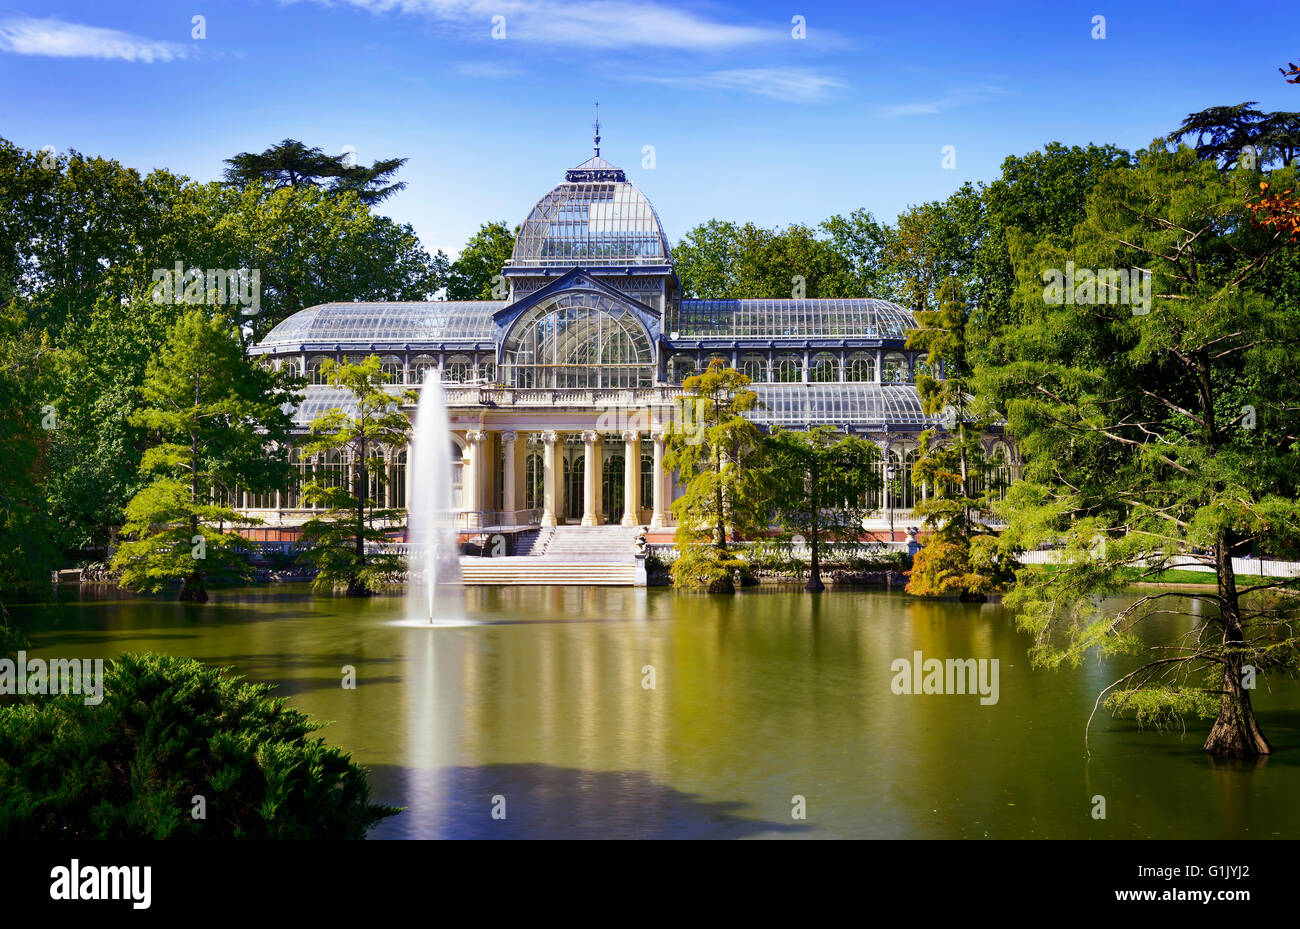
(290, 163)
(219, 424)
(476, 272)
(721, 260)
(1225, 133)
(717, 453)
(960, 556)
(337, 540)
(169, 731)
(819, 481)
(26, 552)
(1155, 433)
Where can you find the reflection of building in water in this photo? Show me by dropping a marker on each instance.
(560, 391)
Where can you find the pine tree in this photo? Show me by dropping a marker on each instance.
(717, 452)
(218, 422)
(960, 556)
(337, 540)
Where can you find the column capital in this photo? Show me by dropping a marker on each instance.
(475, 435)
(509, 436)
(550, 437)
(631, 435)
(591, 437)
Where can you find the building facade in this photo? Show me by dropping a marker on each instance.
(561, 394)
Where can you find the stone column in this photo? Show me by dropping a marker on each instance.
(657, 515)
(591, 479)
(631, 478)
(476, 476)
(552, 477)
(509, 455)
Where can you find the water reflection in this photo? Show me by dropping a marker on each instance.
(757, 698)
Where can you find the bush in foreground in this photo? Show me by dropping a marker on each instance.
(169, 729)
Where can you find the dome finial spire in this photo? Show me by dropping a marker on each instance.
(596, 126)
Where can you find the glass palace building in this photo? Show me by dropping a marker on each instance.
(560, 396)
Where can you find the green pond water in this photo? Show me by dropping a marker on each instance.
(758, 697)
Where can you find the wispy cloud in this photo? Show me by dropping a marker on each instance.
(54, 38)
(488, 71)
(940, 104)
(791, 85)
(590, 24)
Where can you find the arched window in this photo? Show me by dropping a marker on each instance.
(397, 483)
(823, 368)
(900, 494)
(647, 483)
(392, 367)
(920, 366)
(419, 365)
(754, 367)
(680, 367)
(533, 481)
(997, 473)
(860, 366)
(787, 369)
(457, 369)
(457, 475)
(314, 363)
(895, 368)
(578, 339)
(289, 498)
(487, 369)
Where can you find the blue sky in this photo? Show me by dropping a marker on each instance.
(747, 122)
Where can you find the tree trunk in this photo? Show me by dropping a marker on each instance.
(193, 589)
(1235, 733)
(815, 585)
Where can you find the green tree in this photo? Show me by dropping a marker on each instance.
(218, 424)
(290, 163)
(1157, 433)
(170, 729)
(818, 484)
(26, 551)
(337, 540)
(721, 260)
(960, 555)
(717, 453)
(475, 274)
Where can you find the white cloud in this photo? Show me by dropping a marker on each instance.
(56, 39)
(590, 24)
(792, 85)
(488, 71)
(939, 104)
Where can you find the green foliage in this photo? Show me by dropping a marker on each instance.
(290, 163)
(960, 556)
(718, 453)
(818, 482)
(26, 553)
(218, 422)
(1137, 434)
(337, 539)
(475, 273)
(169, 729)
(722, 260)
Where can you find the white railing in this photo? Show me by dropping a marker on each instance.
(561, 396)
(1247, 567)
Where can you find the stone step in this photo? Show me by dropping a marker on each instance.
(527, 570)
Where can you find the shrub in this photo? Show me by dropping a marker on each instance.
(169, 729)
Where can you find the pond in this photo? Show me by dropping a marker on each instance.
(590, 711)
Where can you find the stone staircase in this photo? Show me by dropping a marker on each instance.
(600, 555)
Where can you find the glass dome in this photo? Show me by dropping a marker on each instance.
(597, 217)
